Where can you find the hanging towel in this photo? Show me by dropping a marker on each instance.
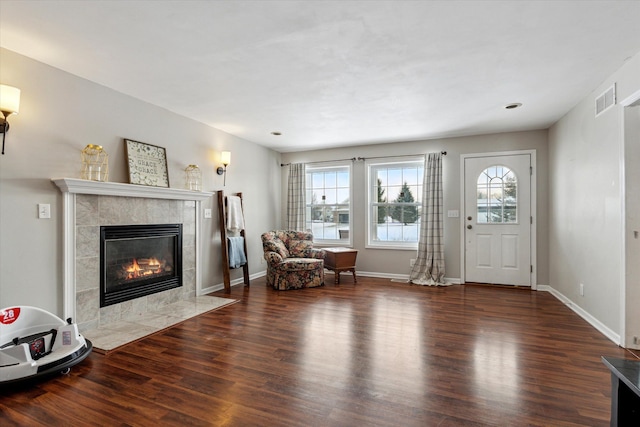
(237, 257)
(235, 219)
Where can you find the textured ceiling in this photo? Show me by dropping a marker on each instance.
(336, 73)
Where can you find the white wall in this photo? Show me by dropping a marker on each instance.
(59, 115)
(586, 245)
(396, 262)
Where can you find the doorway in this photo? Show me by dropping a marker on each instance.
(498, 198)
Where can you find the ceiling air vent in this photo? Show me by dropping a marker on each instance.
(606, 100)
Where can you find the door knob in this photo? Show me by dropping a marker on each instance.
(469, 227)
(469, 218)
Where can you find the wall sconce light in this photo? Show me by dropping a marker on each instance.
(225, 158)
(9, 104)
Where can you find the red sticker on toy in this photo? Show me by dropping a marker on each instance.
(9, 315)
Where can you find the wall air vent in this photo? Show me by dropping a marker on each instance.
(606, 100)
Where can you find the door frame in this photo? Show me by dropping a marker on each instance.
(534, 212)
(622, 340)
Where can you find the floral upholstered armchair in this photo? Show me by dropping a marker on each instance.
(292, 262)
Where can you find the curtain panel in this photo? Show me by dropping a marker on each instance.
(429, 267)
(296, 197)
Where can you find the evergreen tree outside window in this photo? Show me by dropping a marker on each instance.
(382, 209)
(394, 200)
(405, 211)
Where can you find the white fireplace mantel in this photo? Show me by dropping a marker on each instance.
(72, 186)
(83, 186)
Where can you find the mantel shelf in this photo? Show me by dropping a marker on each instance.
(83, 186)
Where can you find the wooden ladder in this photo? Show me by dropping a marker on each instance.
(226, 270)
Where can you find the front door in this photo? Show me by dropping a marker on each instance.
(497, 219)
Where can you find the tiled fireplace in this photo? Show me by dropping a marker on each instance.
(88, 206)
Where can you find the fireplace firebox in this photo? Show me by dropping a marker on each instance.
(139, 260)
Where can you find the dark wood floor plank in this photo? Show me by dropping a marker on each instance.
(377, 353)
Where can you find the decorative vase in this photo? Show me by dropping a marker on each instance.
(193, 178)
(95, 163)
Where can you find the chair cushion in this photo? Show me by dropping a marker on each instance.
(298, 264)
(298, 248)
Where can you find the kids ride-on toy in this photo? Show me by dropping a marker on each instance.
(34, 343)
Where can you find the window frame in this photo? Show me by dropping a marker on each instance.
(328, 166)
(505, 203)
(370, 167)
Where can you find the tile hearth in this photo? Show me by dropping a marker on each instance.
(110, 337)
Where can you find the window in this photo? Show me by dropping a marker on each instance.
(328, 214)
(395, 202)
(497, 196)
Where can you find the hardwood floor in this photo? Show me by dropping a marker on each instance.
(378, 353)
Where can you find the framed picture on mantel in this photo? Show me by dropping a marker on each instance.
(147, 164)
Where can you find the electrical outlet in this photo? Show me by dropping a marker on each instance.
(581, 289)
(412, 262)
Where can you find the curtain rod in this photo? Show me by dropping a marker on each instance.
(444, 153)
(354, 159)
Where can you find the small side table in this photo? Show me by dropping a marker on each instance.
(339, 260)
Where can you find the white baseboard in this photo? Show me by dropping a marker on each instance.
(234, 282)
(604, 330)
(402, 277)
(382, 275)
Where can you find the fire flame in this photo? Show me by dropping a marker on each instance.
(145, 267)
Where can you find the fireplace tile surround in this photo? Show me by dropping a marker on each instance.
(121, 204)
(94, 211)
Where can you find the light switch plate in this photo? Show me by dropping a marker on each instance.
(44, 211)
(453, 214)
(207, 213)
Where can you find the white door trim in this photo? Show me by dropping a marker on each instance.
(534, 211)
(631, 99)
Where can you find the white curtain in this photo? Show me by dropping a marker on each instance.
(295, 197)
(429, 266)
